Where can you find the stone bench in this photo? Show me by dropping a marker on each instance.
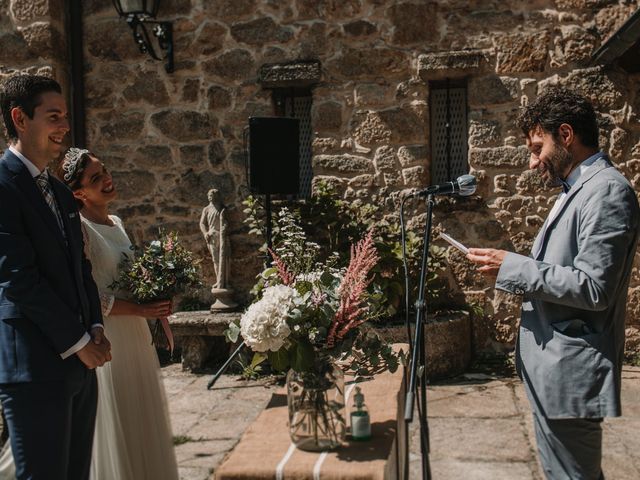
(200, 335)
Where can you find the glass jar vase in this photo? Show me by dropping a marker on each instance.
(316, 407)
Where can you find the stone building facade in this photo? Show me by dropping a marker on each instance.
(169, 137)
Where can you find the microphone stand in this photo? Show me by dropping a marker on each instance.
(418, 354)
(269, 261)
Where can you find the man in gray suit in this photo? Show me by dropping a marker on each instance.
(574, 286)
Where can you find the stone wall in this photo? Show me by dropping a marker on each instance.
(32, 39)
(168, 138)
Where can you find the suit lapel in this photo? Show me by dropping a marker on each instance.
(27, 185)
(541, 240)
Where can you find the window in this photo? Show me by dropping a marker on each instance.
(448, 117)
(296, 103)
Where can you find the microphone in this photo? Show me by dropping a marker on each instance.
(464, 186)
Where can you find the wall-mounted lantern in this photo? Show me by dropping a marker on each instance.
(139, 13)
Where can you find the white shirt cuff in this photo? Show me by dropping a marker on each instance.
(99, 325)
(79, 345)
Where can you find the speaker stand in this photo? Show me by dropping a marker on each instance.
(267, 209)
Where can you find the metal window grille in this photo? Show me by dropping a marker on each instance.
(448, 109)
(297, 104)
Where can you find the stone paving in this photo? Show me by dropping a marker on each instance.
(480, 426)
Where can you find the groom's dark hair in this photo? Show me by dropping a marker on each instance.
(23, 92)
(558, 105)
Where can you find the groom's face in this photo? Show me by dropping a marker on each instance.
(44, 134)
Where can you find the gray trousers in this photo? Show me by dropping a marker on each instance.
(569, 449)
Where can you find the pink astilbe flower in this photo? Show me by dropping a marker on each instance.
(352, 290)
(283, 272)
(169, 245)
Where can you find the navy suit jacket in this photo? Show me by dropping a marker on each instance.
(48, 299)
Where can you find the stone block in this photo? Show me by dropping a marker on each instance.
(520, 52)
(414, 176)
(230, 9)
(118, 126)
(369, 63)
(386, 160)
(492, 90)
(394, 125)
(410, 155)
(359, 28)
(448, 344)
(295, 74)
(13, 48)
(580, 4)
(134, 184)
(509, 157)
(192, 155)
(150, 156)
(260, 31)
(433, 66)
(44, 40)
(371, 94)
(29, 10)
(111, 40)
(209, 40)
(484, 133)
(414, 22)
(194, 185)
(342, 163)
(327, 117)
(191, 90)
(147, 87)
(312, 42)
(216, 152)
(185, 126)
(198, 333)
(219, 98)
(234, 64)
(530, 182)
(575, 44)
(329, 9)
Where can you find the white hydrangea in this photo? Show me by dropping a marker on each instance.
(264, 325)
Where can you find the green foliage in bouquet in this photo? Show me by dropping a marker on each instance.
(336, 224)
(161, 270)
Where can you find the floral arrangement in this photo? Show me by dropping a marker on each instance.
(161, 270)
(309, 310)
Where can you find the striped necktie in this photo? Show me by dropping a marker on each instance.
(45, 187)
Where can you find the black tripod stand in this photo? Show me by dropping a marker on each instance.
(268, 261)
(418, 353)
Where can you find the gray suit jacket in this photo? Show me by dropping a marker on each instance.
(574, 287)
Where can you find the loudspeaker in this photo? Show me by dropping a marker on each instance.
(274, 151)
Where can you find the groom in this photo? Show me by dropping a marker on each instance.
(51, 335)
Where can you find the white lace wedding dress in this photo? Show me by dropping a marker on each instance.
(133, 439)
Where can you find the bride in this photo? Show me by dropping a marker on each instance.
(132, 439)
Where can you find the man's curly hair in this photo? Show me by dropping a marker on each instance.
(556, 106)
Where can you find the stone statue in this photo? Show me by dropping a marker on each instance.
(213, 225)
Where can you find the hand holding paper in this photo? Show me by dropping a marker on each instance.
(454, 242)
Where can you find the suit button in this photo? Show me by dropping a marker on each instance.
(519, 291)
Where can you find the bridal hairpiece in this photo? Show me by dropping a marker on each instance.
(72, 161)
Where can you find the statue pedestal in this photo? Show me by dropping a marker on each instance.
(223, 300)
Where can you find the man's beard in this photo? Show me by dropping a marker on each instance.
(559, 161)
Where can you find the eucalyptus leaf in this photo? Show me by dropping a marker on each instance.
(279, 360)
(302, 356)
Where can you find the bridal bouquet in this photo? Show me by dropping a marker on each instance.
(161, 270)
